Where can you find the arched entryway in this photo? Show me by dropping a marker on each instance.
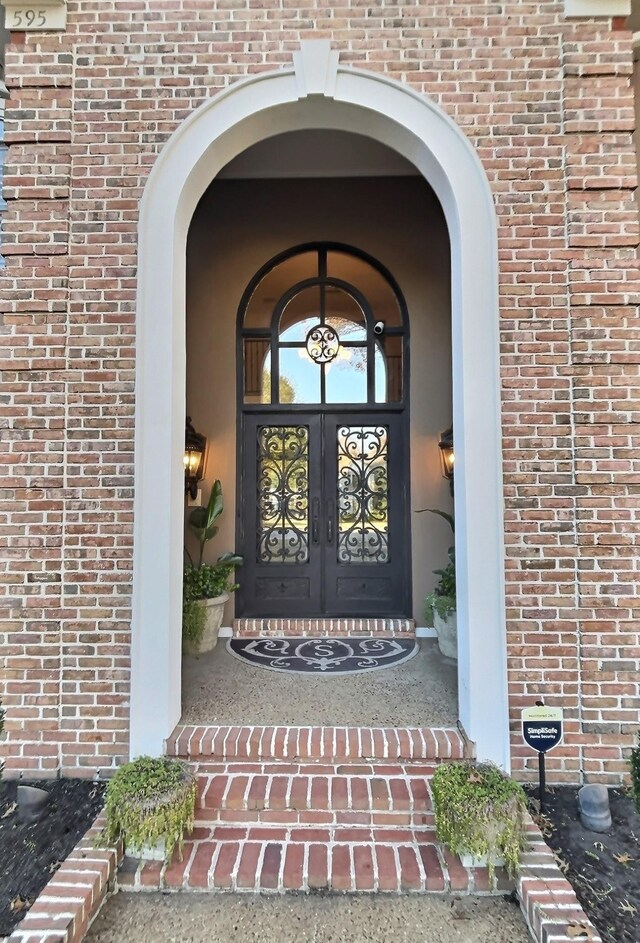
(323, 470)
(317, 93)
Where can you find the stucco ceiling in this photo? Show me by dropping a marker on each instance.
(318, 154)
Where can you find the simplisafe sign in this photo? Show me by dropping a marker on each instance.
(542, 727)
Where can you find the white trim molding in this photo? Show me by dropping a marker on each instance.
(43, 17)
(593, 8)
(426, 631)
(318, 93)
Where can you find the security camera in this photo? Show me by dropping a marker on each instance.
(378, 327)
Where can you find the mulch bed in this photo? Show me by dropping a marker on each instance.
(604, 869)
(30, 854)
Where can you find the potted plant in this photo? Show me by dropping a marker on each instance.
(440, 605)
(206, 587)
(150, 805)
(480, 814)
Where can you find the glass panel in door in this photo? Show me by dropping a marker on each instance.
(363, 495)
(283, 494)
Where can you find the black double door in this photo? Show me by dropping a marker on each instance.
(323, 523)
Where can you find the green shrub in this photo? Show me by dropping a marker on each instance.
(149, 800)
(204, 582)
(193, 622)
(634, 763)
(443, 598)
(480, 811)
(211, 579)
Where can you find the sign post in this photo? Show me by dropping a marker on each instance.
(542, 731)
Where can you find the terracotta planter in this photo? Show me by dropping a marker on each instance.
(214, 609)
(447, 630)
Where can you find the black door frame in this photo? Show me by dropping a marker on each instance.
(365, 413)
(333, 588)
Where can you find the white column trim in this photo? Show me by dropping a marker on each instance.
(244, 114)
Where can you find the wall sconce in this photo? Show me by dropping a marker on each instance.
(194, 454)
(446, 455)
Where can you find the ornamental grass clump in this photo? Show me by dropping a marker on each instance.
(480, 812)
(634, 763)
(149, 801)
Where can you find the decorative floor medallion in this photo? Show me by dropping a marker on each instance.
(323, 655)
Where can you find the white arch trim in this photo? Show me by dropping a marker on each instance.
(316, 93)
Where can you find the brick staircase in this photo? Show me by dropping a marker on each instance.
(323, 628)
(344, 809)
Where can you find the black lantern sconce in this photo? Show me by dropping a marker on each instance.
(194, 455)
(446, 456)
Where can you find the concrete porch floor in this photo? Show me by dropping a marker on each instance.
(220, 689)
(246, 918)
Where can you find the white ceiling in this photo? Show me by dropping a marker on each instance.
(318, 154)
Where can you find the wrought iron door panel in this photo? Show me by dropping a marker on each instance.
(363, 589)
(324, 516)
(283, 494)
(281, 481)
(278, 589)
(367, 553)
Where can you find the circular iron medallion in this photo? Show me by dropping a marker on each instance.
(322, 343)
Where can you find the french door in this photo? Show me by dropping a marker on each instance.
(323, 529)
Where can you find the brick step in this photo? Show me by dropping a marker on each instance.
(316, 744)
(313, 817)
(323, 628)
(278, 860)
(331, 789)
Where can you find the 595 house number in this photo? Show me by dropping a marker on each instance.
(44, 15)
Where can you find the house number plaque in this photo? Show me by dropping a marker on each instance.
(41, 15)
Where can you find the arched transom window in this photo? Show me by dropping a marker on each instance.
(323, 325)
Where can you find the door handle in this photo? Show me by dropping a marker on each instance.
(330, 522)
(315, 520)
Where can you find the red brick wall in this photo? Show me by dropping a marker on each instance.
(548, 105)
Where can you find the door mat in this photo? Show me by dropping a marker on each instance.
(323, 655)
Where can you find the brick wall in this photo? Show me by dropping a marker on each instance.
(548, 105)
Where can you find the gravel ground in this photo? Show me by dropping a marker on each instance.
(201, 918)
(220, 689)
